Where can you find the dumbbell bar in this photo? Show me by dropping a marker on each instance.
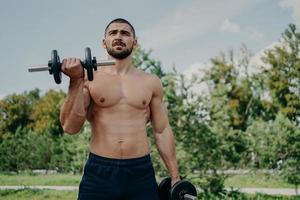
(42, 68)
(54, 65)
(182, 190)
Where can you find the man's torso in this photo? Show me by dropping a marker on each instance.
(118, 113)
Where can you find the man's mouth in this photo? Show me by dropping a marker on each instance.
(119, 43)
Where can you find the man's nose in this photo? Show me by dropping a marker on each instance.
(117, 35)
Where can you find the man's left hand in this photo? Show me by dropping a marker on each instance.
(174, 180)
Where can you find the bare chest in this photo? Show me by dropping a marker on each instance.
(109, 90)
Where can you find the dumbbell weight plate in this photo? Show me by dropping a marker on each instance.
(181, 188)
(55, 66)
(88, 63)
(164, 189)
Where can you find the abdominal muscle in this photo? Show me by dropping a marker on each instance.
(119, 132)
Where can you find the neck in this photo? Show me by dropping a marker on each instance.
(122, 66)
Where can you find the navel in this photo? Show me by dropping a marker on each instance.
(144, 102)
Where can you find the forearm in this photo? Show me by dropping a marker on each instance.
(73, 113)
(166, 147)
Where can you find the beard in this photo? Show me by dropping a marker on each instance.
(120, 54)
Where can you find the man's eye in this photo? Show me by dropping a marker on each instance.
(126, 33)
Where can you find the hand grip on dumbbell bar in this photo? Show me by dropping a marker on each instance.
(182, 190)
(54, 65)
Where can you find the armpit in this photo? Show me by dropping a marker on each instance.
(89, 113)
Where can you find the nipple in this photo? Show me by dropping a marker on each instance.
(102, 99)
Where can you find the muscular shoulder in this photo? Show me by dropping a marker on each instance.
(153, 82)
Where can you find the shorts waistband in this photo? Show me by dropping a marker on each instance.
(93, 158)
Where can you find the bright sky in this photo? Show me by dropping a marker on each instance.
(184, 33)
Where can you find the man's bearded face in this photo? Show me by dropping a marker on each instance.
(119, 49)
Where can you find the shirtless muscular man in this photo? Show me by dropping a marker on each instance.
(118, 103)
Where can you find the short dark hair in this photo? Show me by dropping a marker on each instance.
(120, 20)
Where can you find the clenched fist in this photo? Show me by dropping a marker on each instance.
(72, 67)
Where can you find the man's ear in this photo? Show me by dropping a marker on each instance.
(104, 44)
(135, 43)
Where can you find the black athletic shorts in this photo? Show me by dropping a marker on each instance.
(118, 179)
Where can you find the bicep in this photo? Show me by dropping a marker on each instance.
(159, 114)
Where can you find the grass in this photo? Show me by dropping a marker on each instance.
(245, 180)
(257, 180)
(29, 194)
(269, 197)
(40, 179)
(26, 179)
(239, 196)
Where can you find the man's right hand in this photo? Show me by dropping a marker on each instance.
(72, 67)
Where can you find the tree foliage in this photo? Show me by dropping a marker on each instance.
(45, 113)
(282, 77)
(15, 111)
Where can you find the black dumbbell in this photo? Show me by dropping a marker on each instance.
(54, 65)
(182, 190)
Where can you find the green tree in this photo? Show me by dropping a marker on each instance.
(15, 111)
(143, 61)
(263, 144)
(45, 113)
(70, 151)
(288, 148)
(282, 74)
(230, 105)
(25, 150)
(230, 93)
